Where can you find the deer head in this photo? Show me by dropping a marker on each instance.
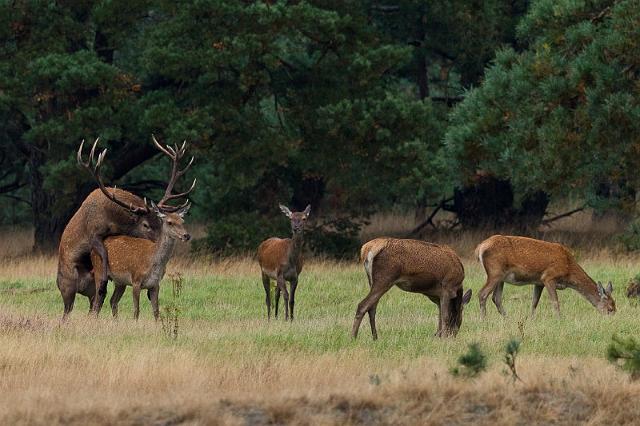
(173, 223)
(297, 219)
(606, 304)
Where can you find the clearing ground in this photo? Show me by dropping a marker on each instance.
(229, 365)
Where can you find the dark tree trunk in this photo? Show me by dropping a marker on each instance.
(422, 77)
(309, 190)
(48, 226)
(489, 203)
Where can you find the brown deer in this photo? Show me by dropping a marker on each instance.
(281, 260)
(417, 267)
(521, 261)
(105, 212)
(139, 262)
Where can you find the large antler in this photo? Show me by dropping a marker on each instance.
(95, 171)
(175, 153)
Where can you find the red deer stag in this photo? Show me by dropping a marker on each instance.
(281, 260)
(139, 262)
(521, 261)
(105, 212)
(416, 267)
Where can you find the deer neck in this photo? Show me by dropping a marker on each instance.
(585, 285)
(162, 254)
(297, 241)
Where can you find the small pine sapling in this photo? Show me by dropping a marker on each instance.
(470, 364)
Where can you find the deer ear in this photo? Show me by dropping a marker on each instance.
(157, 211)
(183, 211)
(307, 210)
(467, 297)
(285, 210)
(609, 288)
(600, 289)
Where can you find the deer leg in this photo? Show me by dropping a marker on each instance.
(153, 297)
(92, 302)
(445, 316)
(266, 282)
(136, 301)
(277, 299)
(118, 291)
(485, 291)
(102, 277)
(370, 301)
(553, 296)
(537, 292)
(372, 320)
(282, 285)
(68, 297)
(294, 285)
(497, 298)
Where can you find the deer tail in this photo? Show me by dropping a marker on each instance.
(479, 251)
(368, 252)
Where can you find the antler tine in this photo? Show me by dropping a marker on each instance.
(181, 172)
(95, 171)
(172, 209)
(175, 152)
(159, 146)
(182, 194)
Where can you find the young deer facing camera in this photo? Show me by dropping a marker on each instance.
(281, 260)
(141, 263)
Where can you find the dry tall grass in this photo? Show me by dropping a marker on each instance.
(75, 375)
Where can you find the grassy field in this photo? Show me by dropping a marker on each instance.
(229, 365)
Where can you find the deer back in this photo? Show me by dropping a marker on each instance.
(99, 217)
(528, 256)
(414, 260)
(129, 258)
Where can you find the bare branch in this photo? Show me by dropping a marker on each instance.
(546, 222)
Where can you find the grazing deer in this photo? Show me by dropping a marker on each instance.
(281, 260)
(141, 263)
(521, 261)
(417, 267)
(105, 212)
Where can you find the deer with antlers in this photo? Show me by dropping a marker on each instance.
(105, 212)
(522, 261)
(281, 260)
(139, 262)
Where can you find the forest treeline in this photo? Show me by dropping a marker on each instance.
(489, 109)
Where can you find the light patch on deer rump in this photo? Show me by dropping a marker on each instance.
(369, 251)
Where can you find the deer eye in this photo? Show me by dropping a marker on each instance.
(170, 222)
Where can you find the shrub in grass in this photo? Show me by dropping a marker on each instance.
(511, 353)
(471, 363)
(625, 353)
(633, 288)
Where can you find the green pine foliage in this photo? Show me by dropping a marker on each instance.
(471, 363)
(562, 115)
(625, 353)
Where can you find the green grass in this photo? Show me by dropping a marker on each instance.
(224, 317)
